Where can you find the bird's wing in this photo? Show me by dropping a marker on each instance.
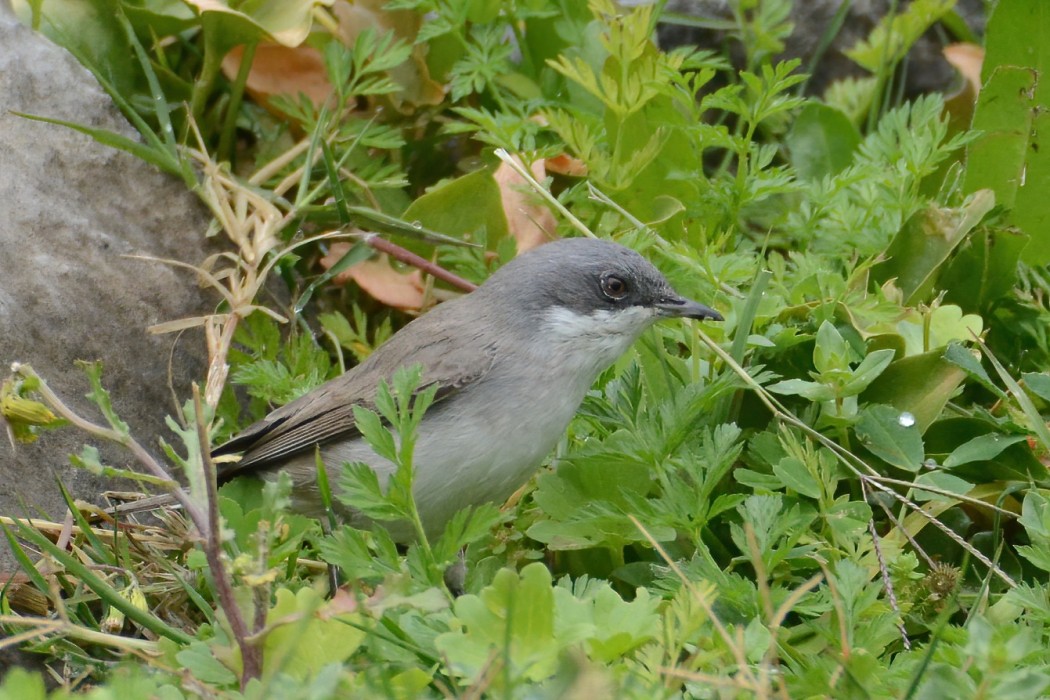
(327, 413)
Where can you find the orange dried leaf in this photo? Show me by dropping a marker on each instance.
(567, 165)
(279, 70)
(402, 290)
(967, 59)
(529, 222)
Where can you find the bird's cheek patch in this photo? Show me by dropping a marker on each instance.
(566, 323)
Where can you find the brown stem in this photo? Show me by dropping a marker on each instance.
(410, 258)
(208, 526)
(251, 660)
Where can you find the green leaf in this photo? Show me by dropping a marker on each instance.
(89, 461)
(1035, 518)
(1030, 212)
(831, 352)
(920, 385)
(359, 489)
(941, 325)
(757, 480)
(22, 684)
(100, 397)
(164, 17)
(965, 359)
(822, 141)
(895, 34)
(485, 59)
(609, 475)
(814, 391)
(304, 637)
(512, 620)
(984, 268)
(1018, 35)
(848, 519)
(777, 530)
(797, 477)
(304, 367)
(462, 207)
(1015, 463)
(376, 433)
(663, 208)
(982, 447)
(466, 527)
(192, 465)
(287, 23)
(26, 564)
(943, 481)
(610, 627)
(411, 231)
(1038, 383)
(1010, 157)
(870, 368)
(1035, 421)
(891, 435)
(360, 556)
(159, 158)
(158, 106)
(199, 659)
(923, 244)
(587, 499)
(758, 639)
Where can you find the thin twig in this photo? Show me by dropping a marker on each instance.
(517, 167)
(907, 535)
(250, 653)
(887, 581)
(407, 256)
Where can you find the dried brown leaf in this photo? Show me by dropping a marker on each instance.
(402, 290)
(530, 222)
(968, 60)
(280, 70)
(567, 165)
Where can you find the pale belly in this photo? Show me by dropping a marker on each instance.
(465, 455)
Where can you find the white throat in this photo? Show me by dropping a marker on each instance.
(598, 338)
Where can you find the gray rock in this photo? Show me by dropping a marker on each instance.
(72, 209)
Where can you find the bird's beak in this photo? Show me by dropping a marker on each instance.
(679, 307)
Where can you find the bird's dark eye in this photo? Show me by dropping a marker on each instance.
(614, 287)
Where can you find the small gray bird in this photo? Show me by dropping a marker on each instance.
(512, 362)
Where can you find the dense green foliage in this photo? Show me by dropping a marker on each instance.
(839, 492)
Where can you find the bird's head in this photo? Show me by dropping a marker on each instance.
(590, 296)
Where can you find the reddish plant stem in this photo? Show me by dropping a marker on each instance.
(410, 258)
(251, 658)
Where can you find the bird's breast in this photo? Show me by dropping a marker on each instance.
(484, 443)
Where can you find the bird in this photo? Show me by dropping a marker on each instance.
(511, 362)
